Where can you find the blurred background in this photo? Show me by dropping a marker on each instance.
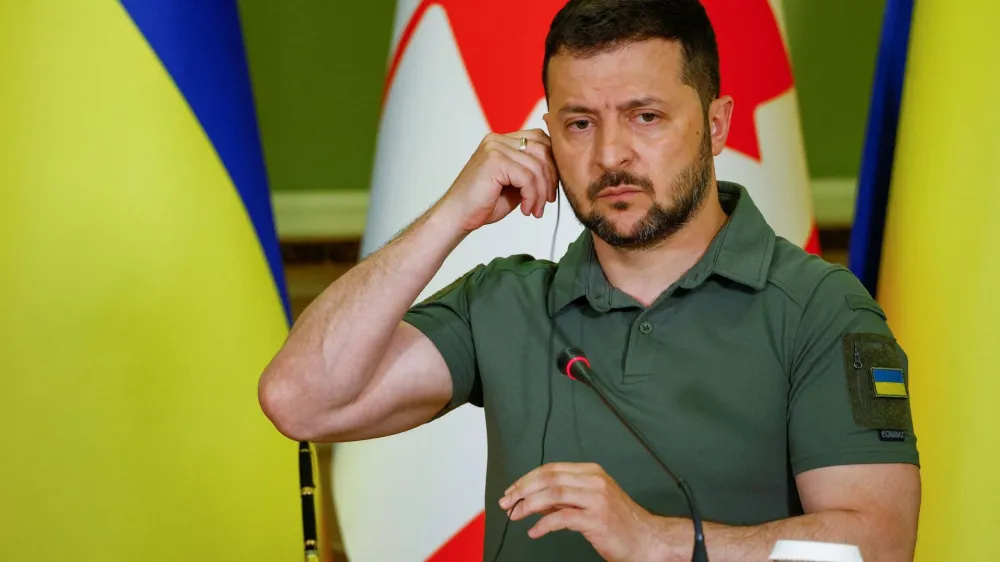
(319, 72)
(180, 179)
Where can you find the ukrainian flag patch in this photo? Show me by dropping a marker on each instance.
(888, 383)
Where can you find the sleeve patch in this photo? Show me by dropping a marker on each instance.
(876, 382)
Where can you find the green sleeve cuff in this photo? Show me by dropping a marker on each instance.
(871, 456)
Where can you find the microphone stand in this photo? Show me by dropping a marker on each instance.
(574, 360)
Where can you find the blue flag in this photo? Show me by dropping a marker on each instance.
(880, 144)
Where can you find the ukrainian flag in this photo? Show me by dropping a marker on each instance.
(940, 264)
(889, 383)
(142, 290)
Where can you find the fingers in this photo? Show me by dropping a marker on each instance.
(550, 166)
(572, 519)
(531, 481)
(538, 145)
(534, 136)
(553, 498)
(545, 175)
(518, 176)
(537, 159)
(583, 476)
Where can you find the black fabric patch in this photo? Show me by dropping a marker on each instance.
(862, 351)
(891, 435)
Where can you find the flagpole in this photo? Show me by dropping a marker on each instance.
(307, 485)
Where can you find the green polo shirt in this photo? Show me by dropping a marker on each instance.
(760, 363)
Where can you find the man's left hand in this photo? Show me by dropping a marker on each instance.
(583, 498)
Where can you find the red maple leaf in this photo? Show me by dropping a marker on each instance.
(753, 63)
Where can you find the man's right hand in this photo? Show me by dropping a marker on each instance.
(499, 177)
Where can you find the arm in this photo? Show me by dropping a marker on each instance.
(351, 368)
(854, 486)
(872, 506)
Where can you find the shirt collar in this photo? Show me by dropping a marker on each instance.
(741, 252)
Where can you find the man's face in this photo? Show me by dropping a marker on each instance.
(631, 141)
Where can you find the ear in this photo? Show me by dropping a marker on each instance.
(548, 124)
(719, 115)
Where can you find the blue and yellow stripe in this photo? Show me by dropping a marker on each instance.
(142, 290)
(938, 261)
(874, 178)
(200, 45)
(889, 383)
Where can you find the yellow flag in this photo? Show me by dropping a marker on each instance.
(141, 300)
(940, 274)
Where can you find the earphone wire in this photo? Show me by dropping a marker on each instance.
(548, 366)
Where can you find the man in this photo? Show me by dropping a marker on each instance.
(766, 377)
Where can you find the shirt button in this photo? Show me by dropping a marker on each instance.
(646, 327)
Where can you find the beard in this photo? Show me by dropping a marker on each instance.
(688, 188)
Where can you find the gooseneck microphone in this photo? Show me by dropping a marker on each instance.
(574, 364)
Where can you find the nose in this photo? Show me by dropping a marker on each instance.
(614, 147)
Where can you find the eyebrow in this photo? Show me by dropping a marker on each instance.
(631, 104)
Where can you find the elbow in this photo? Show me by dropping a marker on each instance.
(278, 400)
(890, 540)
(889, 551)
(903, 548)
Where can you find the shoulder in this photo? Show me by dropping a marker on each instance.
(829, 300)
(520, 275)
(517, 266)
(811, 282)
(499, 275)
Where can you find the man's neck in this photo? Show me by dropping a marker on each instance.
(645, 274)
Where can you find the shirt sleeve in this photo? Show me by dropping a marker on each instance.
(444, 318)
(849, 400)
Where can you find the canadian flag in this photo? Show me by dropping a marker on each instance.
(459, 70)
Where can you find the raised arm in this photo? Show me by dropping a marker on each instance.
(350, 368)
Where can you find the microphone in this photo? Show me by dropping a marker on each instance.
(574, 364)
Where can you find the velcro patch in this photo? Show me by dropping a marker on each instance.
(876, 381)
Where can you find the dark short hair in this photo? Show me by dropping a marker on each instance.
(588, 27)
